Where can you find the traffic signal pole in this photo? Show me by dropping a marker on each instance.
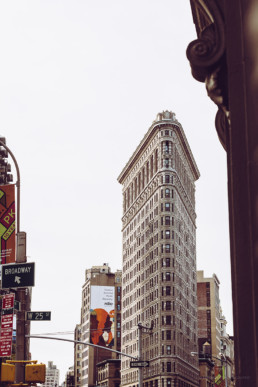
(82, 343)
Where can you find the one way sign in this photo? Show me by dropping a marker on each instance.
(18, 275)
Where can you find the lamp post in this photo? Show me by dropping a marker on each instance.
(208, 356)
(22, 294)
(140, 327)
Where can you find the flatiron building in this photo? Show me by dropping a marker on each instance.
(159, 258)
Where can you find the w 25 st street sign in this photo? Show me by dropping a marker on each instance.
(18, 275)
(38, 316)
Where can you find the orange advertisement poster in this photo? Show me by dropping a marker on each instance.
(7, 223)
(102, 315)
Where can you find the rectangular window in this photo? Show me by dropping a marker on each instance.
(168, 320)
(167, 220)
(168, 333)
(168, 366)
(166, 178)
(167, 248)
(167, 207)
(167, 192)
(167, 234)
(208, 299)
(168, 349)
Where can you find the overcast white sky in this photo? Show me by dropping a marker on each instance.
(80, 83)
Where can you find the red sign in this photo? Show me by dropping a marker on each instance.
(7, 224)
(5, 347)
(8, 301)
(7, 321)
(7, 333)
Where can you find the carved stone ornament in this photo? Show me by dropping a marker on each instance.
(207, 58)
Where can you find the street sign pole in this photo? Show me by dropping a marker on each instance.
(23, 295)
(140, 352)
(148, 330)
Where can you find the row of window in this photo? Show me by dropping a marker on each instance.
(155, 383)
(141, 180)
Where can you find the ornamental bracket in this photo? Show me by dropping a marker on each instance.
(207, 58)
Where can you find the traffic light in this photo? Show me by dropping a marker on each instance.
(35, 373)
(5, 168)
(7, 373)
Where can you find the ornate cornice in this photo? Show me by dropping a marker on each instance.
(207, 58)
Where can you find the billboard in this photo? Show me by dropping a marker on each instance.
(102, 313)
(219, 372)
(7, 223)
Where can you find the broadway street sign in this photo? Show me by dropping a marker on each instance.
(139, 363)
(18, 275)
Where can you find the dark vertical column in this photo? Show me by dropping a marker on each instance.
(242, 147)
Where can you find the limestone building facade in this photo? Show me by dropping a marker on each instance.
(159, 258)
(52, 375)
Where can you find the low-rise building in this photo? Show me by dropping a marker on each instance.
(100, 321)
(108, 372)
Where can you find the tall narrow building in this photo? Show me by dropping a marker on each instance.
(159, 258)
(208, 313)
(100, 320)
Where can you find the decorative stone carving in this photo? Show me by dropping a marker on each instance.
(207, 58)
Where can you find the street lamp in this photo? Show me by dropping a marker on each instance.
(23, 297)
(208, 356)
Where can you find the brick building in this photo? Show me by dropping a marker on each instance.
(208, 313)
(100, 320)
